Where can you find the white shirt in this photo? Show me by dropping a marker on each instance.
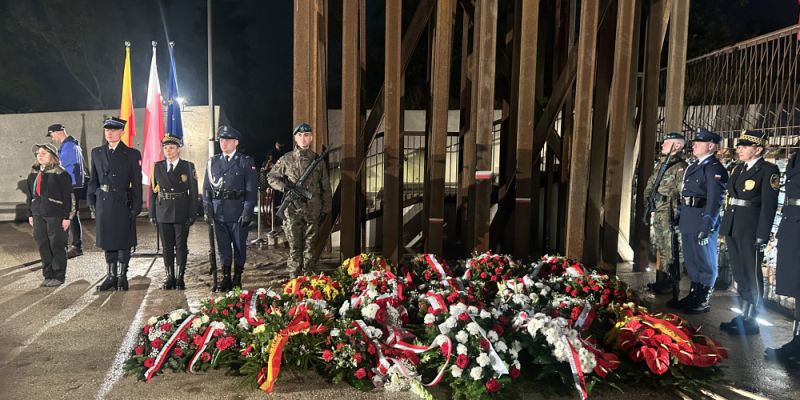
(700, 160)
(174, 164)
(751, 163)
(230, 156)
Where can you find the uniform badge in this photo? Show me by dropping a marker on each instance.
(184, 178)
(775, 181)
(749, 184)
(717, 177)
(156, 188)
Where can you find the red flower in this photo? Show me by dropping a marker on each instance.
(178, 351)
(492, 385)
(494, 278)
(514, 372)
(156, 343)
(574, 293)
(463, 317)
(247, 350)
(327, 356)
(483, 275)
(225, 342)
(348, 332)
(360, 373)
(239, 315)
(198, 340)
(146, 329)
(371, 349)
(224, 312)
(657, 360)
(499, 329)
(205, 357)
(357, 357)
(139, 350)
(484, 344)
(445, 348)
(382, 315)
(149, 362)
(166, 327)
(462, 361)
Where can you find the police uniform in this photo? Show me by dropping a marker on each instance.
(667, 201)
(49, 204)
(747, 224)
(114, 195)
(173, 205)
(787, 280)
(71, 158)
(229, 197)
(302, 225)
(701, 199)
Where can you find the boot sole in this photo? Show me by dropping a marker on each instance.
(694, 311)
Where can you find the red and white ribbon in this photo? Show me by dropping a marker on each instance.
(250, 309)
(162, 355)
(583, 317)
(575, 367)
(434, 263)
(207, 336)
(441, 341)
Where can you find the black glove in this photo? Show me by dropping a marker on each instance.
(153, 221)
(322, 218)
(244, 221)
(702, 238)
(761, 244)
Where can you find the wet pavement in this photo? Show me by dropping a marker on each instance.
(68, 342)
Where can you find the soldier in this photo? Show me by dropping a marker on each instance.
(788, 274)
(701, 199)
(72, 161)
(173, 205)
(114, 195)
(50, 209)
(747, 224)
(302, 225)
(229, 197)
(667, 200)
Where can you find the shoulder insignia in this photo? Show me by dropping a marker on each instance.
(775, 181)
(717, 177)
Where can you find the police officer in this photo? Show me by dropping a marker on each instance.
(72, 161)
(114, 195)
(302, 225)
(173, 201)
(787, 281)
(229, 197)
(701, 199)
(747, 224)
(667, 200)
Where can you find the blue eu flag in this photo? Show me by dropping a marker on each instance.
(174, 122)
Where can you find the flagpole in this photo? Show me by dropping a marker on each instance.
(211, 116)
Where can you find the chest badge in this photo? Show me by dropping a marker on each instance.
(749, 184)
(184, 178)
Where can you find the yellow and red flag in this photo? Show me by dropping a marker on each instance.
(126, 104)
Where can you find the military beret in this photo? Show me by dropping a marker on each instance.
(171, 140)
(752, 138)
(54, 128)
(227, 132)
(704, 135)
(47, 146)
(114, 123)
(302, 128)
(674, 135)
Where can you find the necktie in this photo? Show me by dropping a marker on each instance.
(227, 158)
(110, 151)
(171, 168)
(39, 183)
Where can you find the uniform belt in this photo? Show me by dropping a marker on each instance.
(228, 195)
(172, 196)
(733, 201)
(792, 202)
(109, 188)
(694, 202)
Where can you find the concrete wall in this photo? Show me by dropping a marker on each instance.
(18, 132)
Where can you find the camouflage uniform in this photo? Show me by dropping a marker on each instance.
(302, 225)
(667, 202)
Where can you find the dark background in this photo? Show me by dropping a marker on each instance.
(62, 55)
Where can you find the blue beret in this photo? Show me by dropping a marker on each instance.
(704, 135)
(304, 127)
(752, 138)
(114, 123)
(227, 132)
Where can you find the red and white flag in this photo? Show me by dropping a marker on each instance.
(153, 125)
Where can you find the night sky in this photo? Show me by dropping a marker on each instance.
(61, 55)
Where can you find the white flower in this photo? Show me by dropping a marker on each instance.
(472, 310)
(485, 314)
(344, 308)
(450, 322)
(177, 315)
(474, 329)
(334, 332)
(496, 313)
(516, 345)
(461, 349)
(483, 360)
(205, 319)
(475, 373)
(374, 333)
(261, 291)
(429, 319)
(152, 321)
(243, 323)
(455, 371)
(370, 311)
(544, 292)
(462, 337)
(197, 323)
(457, 309)
(501, 347)
(492, 335)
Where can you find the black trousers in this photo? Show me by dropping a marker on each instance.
(120, 256)
(75, 223)
(174, 237)
(746, 267)
(52, 240)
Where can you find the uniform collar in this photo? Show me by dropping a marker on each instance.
(229, 155)
(174, 163)
(752, 162)
(705, 157)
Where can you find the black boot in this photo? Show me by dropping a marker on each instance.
(737, 320)
(744, 324)
(169, 282)
(662, 285)
(686, 300)
(122, 282)
(179, 284)
(226, 284)
(702, 301)
(237, 276)
(789, 351)
(110, 282)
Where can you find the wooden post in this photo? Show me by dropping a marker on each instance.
(393, 141)
(676, 66)
(301, 100)
(350, 236)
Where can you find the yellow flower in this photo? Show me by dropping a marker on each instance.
(259, 329)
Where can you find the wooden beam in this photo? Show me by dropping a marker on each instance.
(350, 236)
(466, 177)
(526, 33)
(676, 66)
(620, 116)
(393, 140)
(581, 137)
(300, 70)
(440, 96)
(319, 73)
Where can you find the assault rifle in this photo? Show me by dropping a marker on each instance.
(651, 197)
(295, 194)
(212, 253)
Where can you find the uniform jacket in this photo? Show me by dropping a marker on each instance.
(237, 176)
(792, 187)
(759, 184)
(787, 280)
(181, 182)
(704, 180)
(72, 161)
(670, 188)
(55, 199)
(122, 173)
(291, 166)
